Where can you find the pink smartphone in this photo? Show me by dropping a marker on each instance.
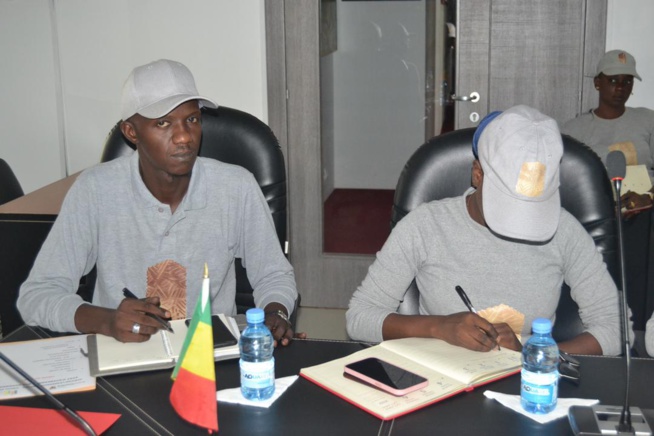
(385, 376)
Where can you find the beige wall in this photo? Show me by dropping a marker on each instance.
(629, 27)
(64, 62)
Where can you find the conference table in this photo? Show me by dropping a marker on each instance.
(307, 409)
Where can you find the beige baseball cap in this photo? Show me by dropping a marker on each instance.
(155, 89)
(616, 62)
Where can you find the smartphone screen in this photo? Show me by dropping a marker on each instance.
(386, 376)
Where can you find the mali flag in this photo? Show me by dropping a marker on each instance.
(193, 395)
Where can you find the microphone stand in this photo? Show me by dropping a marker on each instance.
(599, 419)
(625, 425)
(85, 426)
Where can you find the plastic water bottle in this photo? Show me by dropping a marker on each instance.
(257, 362)
(540, 369)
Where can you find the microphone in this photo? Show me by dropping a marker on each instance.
(599, 419)
(616, 166)
(81, 422)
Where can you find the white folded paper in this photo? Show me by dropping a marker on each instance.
(561, 410)
(234, 395)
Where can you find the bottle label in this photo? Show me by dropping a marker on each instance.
(257, 375)
(539, 388)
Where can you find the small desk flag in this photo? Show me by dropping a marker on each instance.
(193, 395)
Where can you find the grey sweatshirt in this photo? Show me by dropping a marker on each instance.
(636, 126)
(441, 246)
(110, 217)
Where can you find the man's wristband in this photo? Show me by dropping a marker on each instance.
(282, 315)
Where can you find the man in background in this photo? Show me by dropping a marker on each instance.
(614, 126)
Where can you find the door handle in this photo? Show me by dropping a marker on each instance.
(473, 97)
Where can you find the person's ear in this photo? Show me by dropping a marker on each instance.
(477, 174)
(596, 81)
(129, 131)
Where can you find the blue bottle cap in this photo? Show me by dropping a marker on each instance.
(541, 325)
(255, 315)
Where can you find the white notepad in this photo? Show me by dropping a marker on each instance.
(57, 363)
(107, 356)
(636, 179)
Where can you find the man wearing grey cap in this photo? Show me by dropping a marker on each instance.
(506, 241)
(150, 222)
(613, 125)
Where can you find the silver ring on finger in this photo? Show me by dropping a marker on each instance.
(136, 328)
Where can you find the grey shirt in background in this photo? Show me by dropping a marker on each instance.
(441, 246)
(636, 125)
(649, 337)
(110, 217)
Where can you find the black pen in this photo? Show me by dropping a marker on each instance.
(464, 297)
(128, 294)
(466, 301)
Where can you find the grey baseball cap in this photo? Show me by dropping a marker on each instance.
(616, 62)
(155, 89)
(520, 152)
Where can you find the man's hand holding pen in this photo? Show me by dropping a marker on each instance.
(135, 320)
(495, 332)
(469, 330)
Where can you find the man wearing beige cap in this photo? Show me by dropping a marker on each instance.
(150, 221)
(613, 125)
(506, 241)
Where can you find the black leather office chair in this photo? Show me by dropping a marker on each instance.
(441, 168)
(10, 188)
(235, 137)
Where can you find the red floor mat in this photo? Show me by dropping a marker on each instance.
(357, 221)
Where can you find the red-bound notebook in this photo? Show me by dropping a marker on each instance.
(449, 369)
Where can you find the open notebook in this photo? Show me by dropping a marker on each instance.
(636, 179)
(57, 363)
(107, 356)
(449, 369)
